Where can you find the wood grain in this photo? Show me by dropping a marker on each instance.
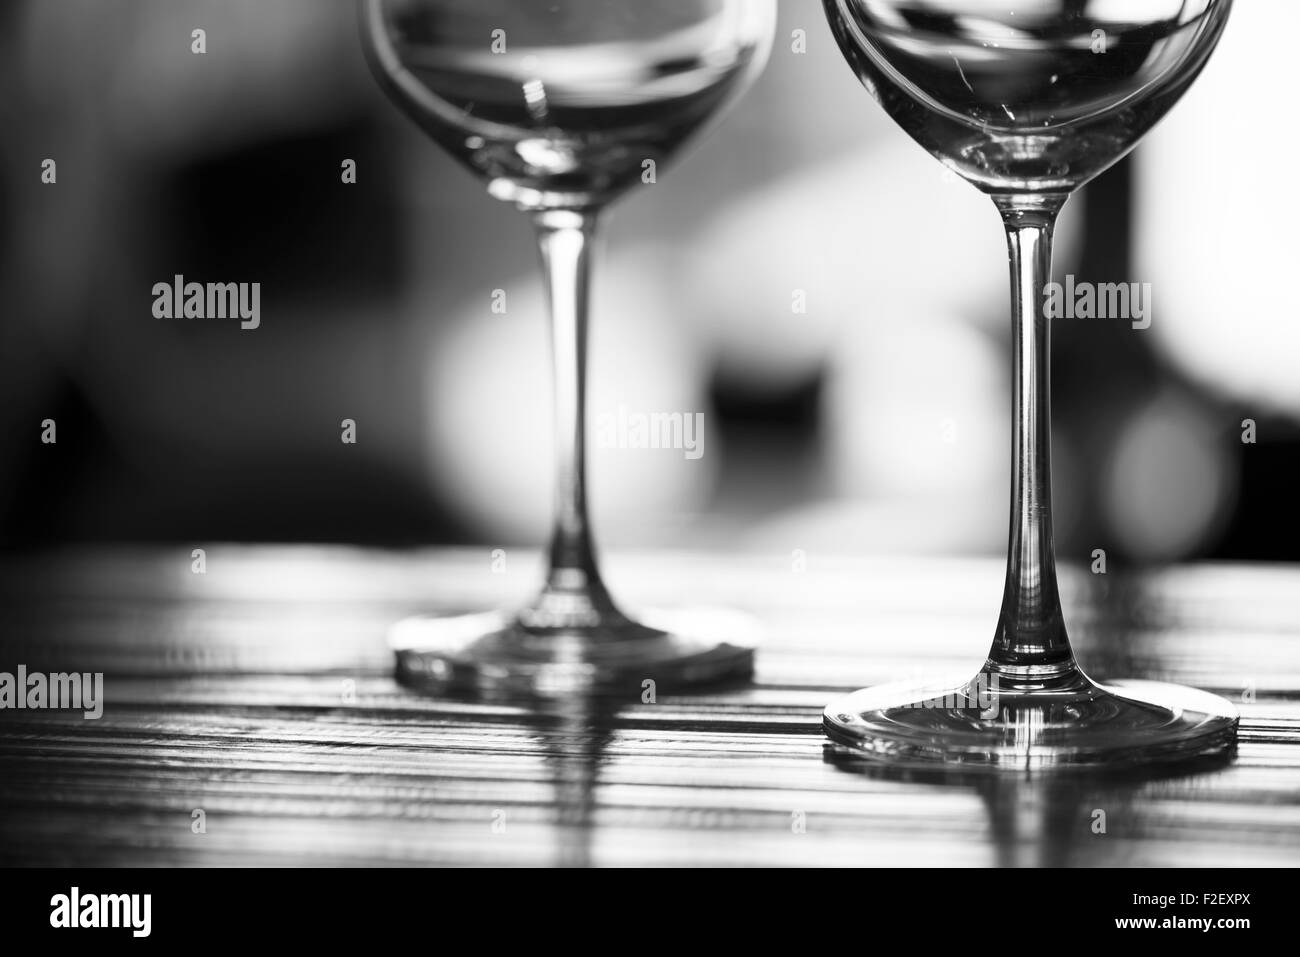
(260, 692)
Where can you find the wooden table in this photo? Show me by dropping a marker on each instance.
(260, 693)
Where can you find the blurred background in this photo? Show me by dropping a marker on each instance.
(831, 300)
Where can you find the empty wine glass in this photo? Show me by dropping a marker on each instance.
(1029, 101)
(560, 107)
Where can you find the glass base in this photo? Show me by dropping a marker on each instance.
(492, 655)
(981, 725)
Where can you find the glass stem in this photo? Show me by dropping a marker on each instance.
(574, 595)
(1031, 648)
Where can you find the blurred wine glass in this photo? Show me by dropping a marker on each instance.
(1028, 104)
(559, 108)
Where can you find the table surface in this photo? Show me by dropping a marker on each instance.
(261, 693)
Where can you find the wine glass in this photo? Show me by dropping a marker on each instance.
(560, 107)
(1029, 101)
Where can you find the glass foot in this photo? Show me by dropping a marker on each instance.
(492, 655)
(982, 725)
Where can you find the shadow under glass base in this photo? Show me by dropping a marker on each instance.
(493, 655)
(1083, 725)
